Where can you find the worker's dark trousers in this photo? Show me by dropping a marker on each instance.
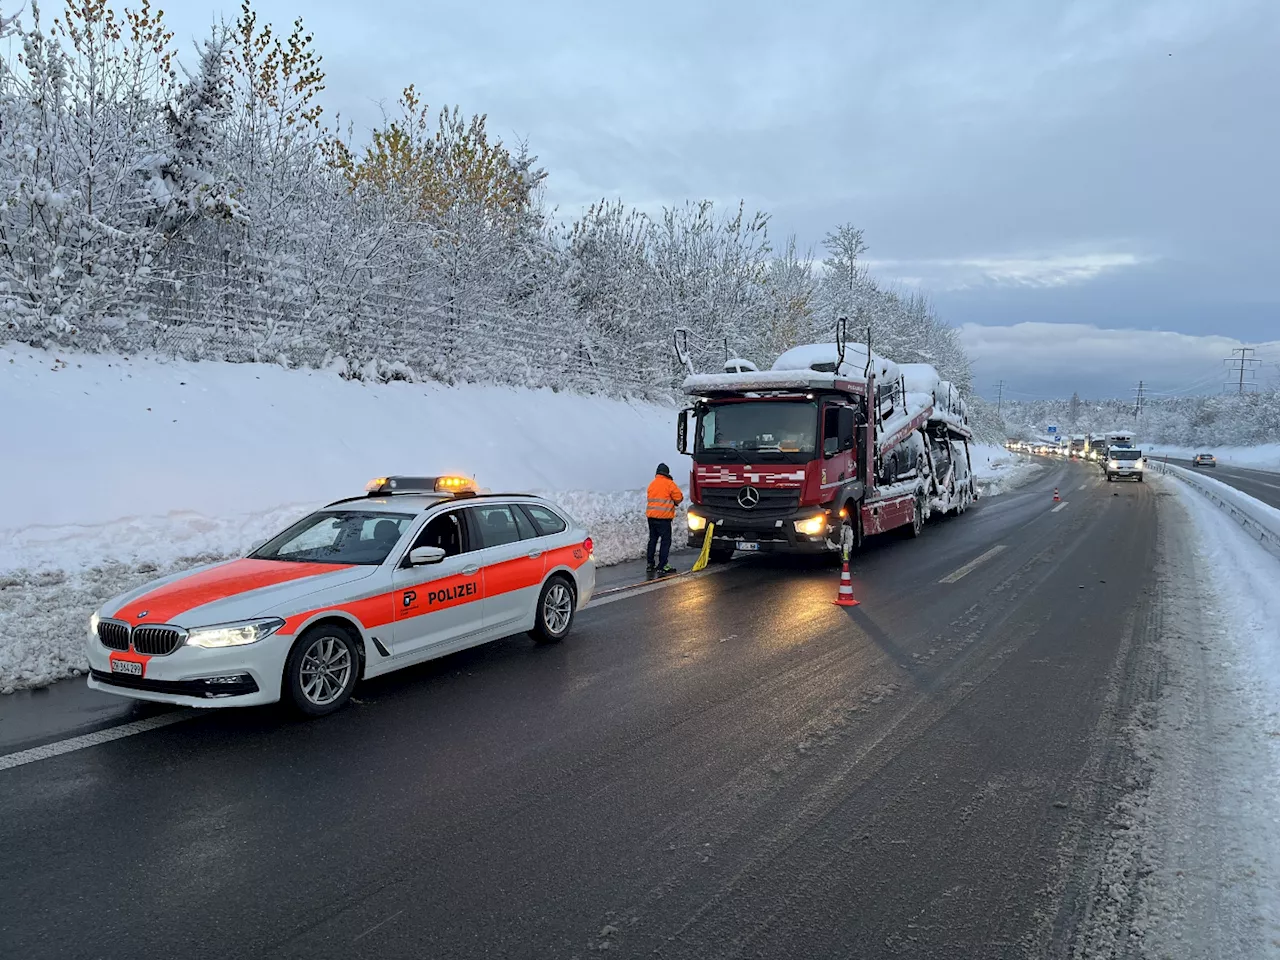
(659, 532)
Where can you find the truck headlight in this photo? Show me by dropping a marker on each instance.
(813, 526)
(697, 523)
(1114, 464)
(234, 634)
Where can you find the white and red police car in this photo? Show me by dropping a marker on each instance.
(417, 568)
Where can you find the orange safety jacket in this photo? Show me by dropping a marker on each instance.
(663, 497)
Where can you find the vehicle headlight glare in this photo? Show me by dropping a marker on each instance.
(813, 526)
(233, 634)
(94, 620)
(697, 523)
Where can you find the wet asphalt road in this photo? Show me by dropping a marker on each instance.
(729, 767)
(1263, 485)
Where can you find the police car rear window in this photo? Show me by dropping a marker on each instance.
(544, 520)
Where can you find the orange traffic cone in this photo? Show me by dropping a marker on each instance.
(844, 596)
(1056, 498)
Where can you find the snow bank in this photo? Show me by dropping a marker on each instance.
(1262, 457)
(998, 470)
(1260, 520)
(119, 470)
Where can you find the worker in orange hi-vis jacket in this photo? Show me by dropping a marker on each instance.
(663, 497)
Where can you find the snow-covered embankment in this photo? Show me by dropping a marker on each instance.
(118, 470)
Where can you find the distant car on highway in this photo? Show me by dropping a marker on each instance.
(417, 568)
(1204, 460)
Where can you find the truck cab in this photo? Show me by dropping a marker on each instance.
(773, 470)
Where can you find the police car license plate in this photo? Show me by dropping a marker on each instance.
(131, 667)
(747, 545)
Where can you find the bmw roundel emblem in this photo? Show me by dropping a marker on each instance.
(143, 614)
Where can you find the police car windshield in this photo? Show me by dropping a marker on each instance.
(338, 536)
(780, 426)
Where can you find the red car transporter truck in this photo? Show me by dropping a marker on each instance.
(831, 445)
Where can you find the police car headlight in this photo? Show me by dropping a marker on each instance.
(697, 523)
(234, 634)
(813, 526)
(94, 620)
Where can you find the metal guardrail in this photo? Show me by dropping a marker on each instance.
(1262, 527)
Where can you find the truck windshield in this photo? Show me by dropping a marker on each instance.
(1126, 454)
(777, 426)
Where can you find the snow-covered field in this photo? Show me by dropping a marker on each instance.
(120, 470)
(1265, 456)
(1202, 837)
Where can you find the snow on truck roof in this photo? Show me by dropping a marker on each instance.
(808, 367)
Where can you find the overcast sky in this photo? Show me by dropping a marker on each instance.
(1111, 163)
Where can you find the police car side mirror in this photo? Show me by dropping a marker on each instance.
(424, 555)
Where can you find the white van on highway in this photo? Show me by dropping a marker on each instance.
(1126, 462)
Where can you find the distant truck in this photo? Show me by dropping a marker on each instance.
(1078, 444)
(831, 445)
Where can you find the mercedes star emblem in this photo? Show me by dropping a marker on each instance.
(748, 497)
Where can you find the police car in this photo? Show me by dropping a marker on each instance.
(417, 568)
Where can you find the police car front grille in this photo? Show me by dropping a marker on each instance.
(157, 641)
(114, 636)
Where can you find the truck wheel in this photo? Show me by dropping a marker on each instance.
(917, 518)
(720, 554)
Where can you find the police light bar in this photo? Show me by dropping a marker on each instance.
(384, 486)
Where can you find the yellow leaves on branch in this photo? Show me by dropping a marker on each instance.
(283, 76)
(437, 167)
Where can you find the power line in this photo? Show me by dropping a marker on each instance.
(999, 397)
(1241, 365)
(1140, 392)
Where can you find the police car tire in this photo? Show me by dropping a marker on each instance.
(540, 632)
(293, 668)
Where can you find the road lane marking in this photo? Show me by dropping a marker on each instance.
(1083, 485)
(968, 567)
(1059, 507)
(377, 925)
(71, 744)
(634, 590)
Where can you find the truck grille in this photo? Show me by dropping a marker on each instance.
(157, 641)
(773, 505)
(113, 636)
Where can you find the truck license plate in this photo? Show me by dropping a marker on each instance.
(747, 545)
(131, 667)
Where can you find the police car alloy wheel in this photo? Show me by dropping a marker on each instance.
(555, 611)
(322, 670)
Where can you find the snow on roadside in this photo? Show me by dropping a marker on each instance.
(998, 470)
(1207, 858)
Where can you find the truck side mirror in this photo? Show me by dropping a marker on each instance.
(682, 432)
